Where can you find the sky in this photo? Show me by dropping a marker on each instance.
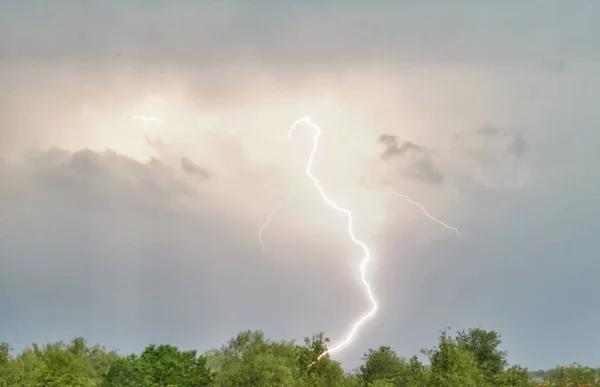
(131, 232)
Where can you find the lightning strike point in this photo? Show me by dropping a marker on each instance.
(367, 253)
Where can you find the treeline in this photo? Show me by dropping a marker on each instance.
(469, 359)
(557, 370)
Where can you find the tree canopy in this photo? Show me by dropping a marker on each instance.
(471, 358)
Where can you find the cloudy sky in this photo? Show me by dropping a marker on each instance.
(131, 231)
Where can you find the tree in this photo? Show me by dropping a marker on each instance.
(162, 365)
(471, 359)
(382, 383)
(382, 364)
(453, 365)
(5, 356)
(325, 372)
(574, 375)
(249, 359)
(9, 373)
(515, 376)
(491, 361)
(65, 365)
(416, 375)
(121, 373)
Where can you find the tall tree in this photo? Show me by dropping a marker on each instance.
(382, 364)
(251, 360)
(453, 365)
(515, 376)
(573, 375)
(162, 365)
(326, 372)
(485, 347)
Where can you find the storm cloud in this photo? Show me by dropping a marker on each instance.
(420, 165)
(192, 168)
(126, 251)
(107, 231)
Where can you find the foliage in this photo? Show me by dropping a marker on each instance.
(574, 375)
(470, 359)
(491, 361)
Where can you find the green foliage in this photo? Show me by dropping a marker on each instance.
(162, 365)
(5, 356)
(484, 346)
(251, 360)
(382, 365)
(471, 359)
(453, 364)
(56, 364)
(574, 375)
(515, 376)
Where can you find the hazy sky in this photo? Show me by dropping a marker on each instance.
(131, 232)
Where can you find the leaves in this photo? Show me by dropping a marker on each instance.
(470, 359)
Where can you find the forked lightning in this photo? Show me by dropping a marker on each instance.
(428, 215)
(367, 253)
(275, 210)
(347, 213)
(358, 242)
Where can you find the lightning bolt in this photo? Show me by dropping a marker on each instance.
(427, 214)
(367, 253)
(275, 210)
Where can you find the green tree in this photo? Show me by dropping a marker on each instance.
(471, 359)
(65, 365)
(9, 372)
(26, 369)
(453, 365)
(5, 356)
(251, 360)
(574, 375)
(416, 373)
(121, 373)
(325, 372)
(382, 364)
(515, 376)
(162, 365)
(352, 380)
(484, 346)
(382, 383)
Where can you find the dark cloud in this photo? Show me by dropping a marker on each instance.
(390, 142)
(518, 144)
(496, 157)
(556, 67)
(420, 162)
(126, 254)
(515, 142)
(275, 33)
(488, 130)
(193, 169)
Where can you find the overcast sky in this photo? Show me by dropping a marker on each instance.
(131, 231)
